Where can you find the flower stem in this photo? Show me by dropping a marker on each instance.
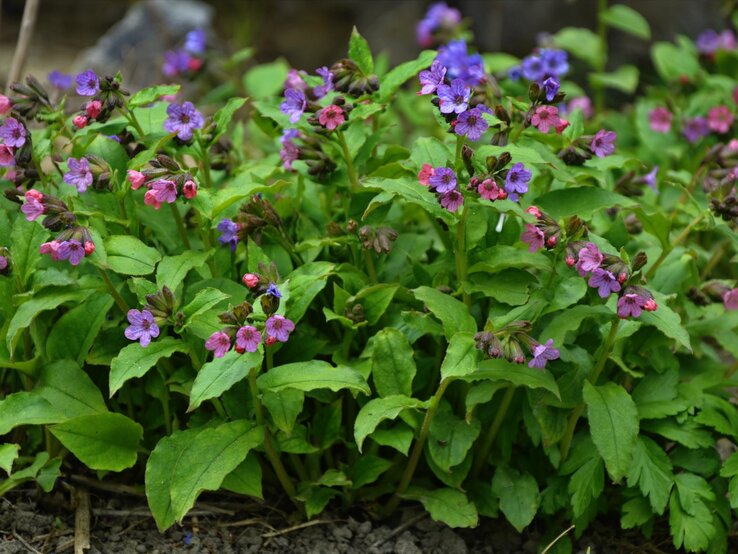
(205, 165)
(677, 241)
(460, 254)
(131, 117)
(121, 303)
(579, 410)
(412, 463)
(370, 269)
(457, 158)
(489, 439)
(349, 162)
(180, 226)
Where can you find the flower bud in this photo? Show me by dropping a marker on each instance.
(93, 108)
(639, 260)
(189, 189)
(5, 104)
(80, 121)
(250, 280)
(89, 247)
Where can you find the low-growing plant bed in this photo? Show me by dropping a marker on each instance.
(456, 283)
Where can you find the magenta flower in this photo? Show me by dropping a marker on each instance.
(88, 83)
(631, 305)
(452, 200)
(294, 80)
(321, 90)
(3, 263)
(471, 124)
(331, 117)
(442, 180)
(659, 119)
(33, 207)
(219, 343)
(650, 178)
(730, 299)
(71, 250)
(516, 181)
(294, 104)
(695, 128)
(136, 178)
(603, 143)
(590, 259)
(432, 78)
(13, 133)
(543, 353)
(719, 119)
(545, 117)
(7, 156)
(51, 248)
(604, 281)
(533, 236)
(142, 327)
(582, 103)
(489, 190)
(454, 98)
(248, 339)
(164, 190)
(183, 119)
(79, 174)
(279, 327)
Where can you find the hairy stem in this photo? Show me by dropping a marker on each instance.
(119, 301)
(180, 226)
(489, 439)
(349, 162)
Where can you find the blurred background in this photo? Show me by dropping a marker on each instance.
(106, 35)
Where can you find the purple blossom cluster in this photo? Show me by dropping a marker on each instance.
(442, 181)
(719, 120)
(189, 58)
(508, 343)
(710, 41)
(439, 19)
(501, 182)
(71, 245)
(459, 64)
(544, 65)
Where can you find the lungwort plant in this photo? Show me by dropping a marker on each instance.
(478, 291)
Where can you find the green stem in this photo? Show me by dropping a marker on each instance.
(417, 451)
(489, 439)
(370, 269)
(460, 254)
(205, 166)
(121, 303)
(677, 241)
(579, 410)
(457, 158)
(349, 162)
(131, 117)
(180, 226)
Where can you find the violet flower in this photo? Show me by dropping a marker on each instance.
(659, 119)
(516, 181)
(279, 327)
(71, 250)
(551, 86)
(730, 299)
(532, 67)
(695, 128)
(543, 353)
(604, 281)
(452, 200)
(59, 80)
(196, 41)
(461, 65)
(142, 327)
(321, 90)
(228, 233)
(590, 259)
(631, 305)
(164, 190)
(442, 180)
(294, 104)
(603, 143)
(176, 62)
(454, 98)
(471, 124)
(13, 133)
(555, 62)
(218, 343)
(79, 174)
(273, 290)
(88, 83)
(430, 79)
(183, 119)
(534, 237)
(33, 207)
(248, 339)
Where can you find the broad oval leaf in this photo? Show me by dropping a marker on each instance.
(518, 494)
(461, 356)
(129, 256)
(377, 410)
(497, 369)
(312, 375)
(448, 506)
(452, 313)
(216, 377)
(73, 334)
(134, 360)
(393, 366)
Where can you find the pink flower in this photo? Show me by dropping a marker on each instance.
(136, 178)
(248, 339)
(32, 207)
(279, 327)
(581, 103)
(533, 236)
(151, 199)
(563, 124)
(545, 117)
(250, 280)
(7, 158)
(452, 200)
(5, 104)
(51, 248)
(331, 117)
(719, 119)
(534, 211)
(189, 189)
(489, 190)
(164, 190)
(89, 247)
(80, 121)
(425, 173)
(219, 343)
(659, 120)
(730, 299)
(93, 108)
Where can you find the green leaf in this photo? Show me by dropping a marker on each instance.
(70, 390)
(690, 515)
(224, 115)
(409, 190)
(104, 441)
(581, 43)
(246, 478)
(284, 407)
(497, 369)
(580, 201)
(26, 408)
(8, 454)
(266, 80)
(588, 476)
(503, 256)
(523, 154)
(667, 321)
(613, 424)
(74, 332)
(461, 357)
(651, 470)
(624, 78)
(188, 462)
(518, 494)
(687, 433)
(656, 395)
(448, 506)
(399, 437)
(379, 409)
(216, 377)
(204, 300)
(375, 300)
(626, 19)
(450, 438)
(430, 150)
(129, 256)
(367, 469)
(511, 286)
(25, 239)
(304, 284)
(395, 78)
(134, 360)
(312, 375)
(499, 62)
(452, 313)
(571, 320)
(636, 512)
(172, 270)
(673, 61)
(113, 153)
(148, 95)
(360, 53)
(393, 366)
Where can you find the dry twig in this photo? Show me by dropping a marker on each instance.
(81, 521)
(30, 11)
(273, 534)
(409, 523)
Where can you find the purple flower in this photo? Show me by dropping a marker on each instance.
(582, 103)
(13, 133)
(430, 79)
(452, 200)
(327, 86)
(472, 124)
(294, 80)
(630, 305)
(709, 41)
(294, 105)
(543, 353)
(604, 281)
(438, 16)
(516, 182)
(533, 236)
(59, 80)
(730, 299)
(460, 65)
(32, 208)
(590, 259)
(175, 62)
(551, 85)
(248, 339)
(3, 263)
(603, 143)
(79, 174)
(454, 97)
(555, 62)
(183, 119)
(515, 73)
(289, 151)
(142, 327)
(272, 290)
(650, 178)
(532, 67)
(229, 233)
(87, 83)
(695, 128)
(164, 190)
(196, 41)
(71, 250)
(279, 327)
(218, 343)
(442, 180)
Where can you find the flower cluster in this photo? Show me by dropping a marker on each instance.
(719, 120)
(508, 343)
(439, 24)
(710, 41)
(442, 180)
(546, 65)
(106, 94)
(165, 181)
(72, 245)
(500, 182)
(460, 64)
(189, 59)
(160, 310)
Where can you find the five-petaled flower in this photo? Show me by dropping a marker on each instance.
(471, 124)
(432, 78)
(88, 84)
(454, 98)
(294, 104)
(604, 281)
(442, 180)
(279, 328)
(331, 116)
(142, 327)
(79, 174)
(218, 343)
(534, 237)
(603, 143)
(543, 353)
(248, 339)
(13, 133)
(183, 120)
(516, 181)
